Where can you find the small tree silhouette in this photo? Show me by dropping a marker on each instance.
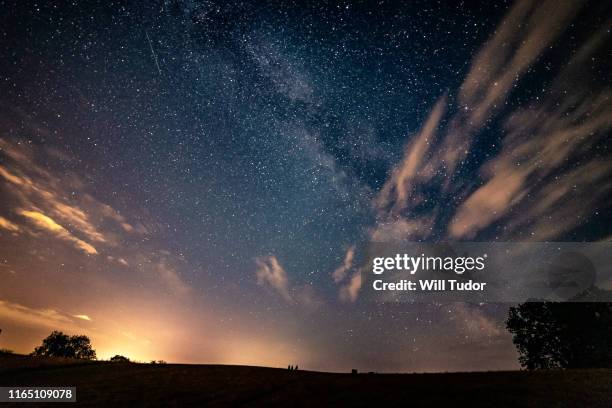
(58, 344)
(119, 359)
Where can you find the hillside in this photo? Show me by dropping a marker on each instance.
(126, 384)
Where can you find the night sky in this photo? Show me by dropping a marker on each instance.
(195, 181)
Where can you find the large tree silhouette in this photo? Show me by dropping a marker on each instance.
(562, 335)
(58, 344)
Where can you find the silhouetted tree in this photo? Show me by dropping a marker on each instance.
(119, 359)
(82, 347)
(58, 344)
(562, 335)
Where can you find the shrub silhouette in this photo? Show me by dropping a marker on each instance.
(562, 335)
(58, 344)
(119, 359)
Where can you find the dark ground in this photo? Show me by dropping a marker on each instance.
(126, 384)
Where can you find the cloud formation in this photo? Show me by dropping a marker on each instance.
(547, 178)
(522, 36)
(39, 198)
(40, 202)
(8, 225)
(350, 291)
(531, 172)
(539, 140)
(340, 272)
(271, 273)
(171, 278)
(48, 224)
(348, 277)
(33, 317)
(397, 193)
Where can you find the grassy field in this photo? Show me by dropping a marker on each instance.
(126, 384)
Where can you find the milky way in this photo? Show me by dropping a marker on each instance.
(196, 181)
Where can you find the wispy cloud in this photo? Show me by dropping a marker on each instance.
(531, 172)
(548, 158)
(79, 220)
(48, 224)
(171, 278)
(33, 317)
(539, 139)
(350, 291)
(412, 170)
(348, 276)
(347, 264)
(82, 317)
(36, 187)
(522, 36)
(401, 228)
(271, 273)
(8, 225)
(41, 202)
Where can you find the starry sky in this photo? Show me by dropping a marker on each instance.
(196, 181)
